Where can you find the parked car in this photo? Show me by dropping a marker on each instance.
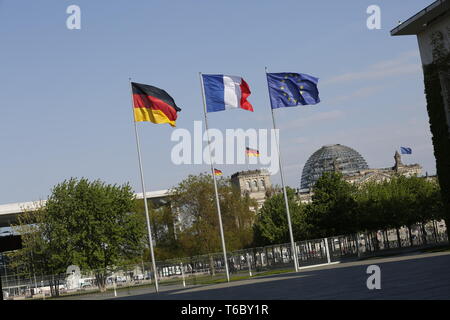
(138, 277)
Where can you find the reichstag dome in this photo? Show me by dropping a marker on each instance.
(330, 158)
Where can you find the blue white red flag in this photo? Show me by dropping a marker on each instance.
(224, 92)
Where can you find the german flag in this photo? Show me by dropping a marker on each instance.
(153, 104)
(217, 172)
(251, 152)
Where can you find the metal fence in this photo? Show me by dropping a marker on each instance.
(211, 268)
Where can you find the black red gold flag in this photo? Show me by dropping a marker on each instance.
(153, 104)
(251, 152)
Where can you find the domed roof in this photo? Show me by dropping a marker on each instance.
(330, 158)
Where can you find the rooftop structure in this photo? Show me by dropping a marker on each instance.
(331, 158)
(255, 183)
(353, 175)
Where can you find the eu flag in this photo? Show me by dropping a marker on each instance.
(292, 89)
(406, 150)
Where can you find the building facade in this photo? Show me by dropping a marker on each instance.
(338, 158)
(329, 158)
(255, 183)
(379, 175)
(432, 28)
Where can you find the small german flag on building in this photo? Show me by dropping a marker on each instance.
(217, 172)
(251, 152)
(153, 104)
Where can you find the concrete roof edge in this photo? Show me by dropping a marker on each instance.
(410, 26)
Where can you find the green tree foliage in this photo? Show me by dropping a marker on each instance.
(162, 221)
(339, 207)
(401, 201)
(194, 201)
(35, 258)
(271, 225)
(332, 210)
(89, 224)
(386, 205)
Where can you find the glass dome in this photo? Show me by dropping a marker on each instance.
(330, 158)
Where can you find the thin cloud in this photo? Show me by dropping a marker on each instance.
(314, 119)
(405, 64)
(357, 94)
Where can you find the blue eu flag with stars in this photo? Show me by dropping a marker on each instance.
(292, 89)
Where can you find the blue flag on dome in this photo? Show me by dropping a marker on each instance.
(405, 150)
(292, 89)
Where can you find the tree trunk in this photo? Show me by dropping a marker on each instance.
(54, 287)
(436, 240)
(367, 242)
(447, 226)
(57, 287)
(386, 239)
(273, 256)
(376, 244)
(101, 281)
(211, 266)
(340, 246)
(424, 233)
(399, 241)
(410, 237)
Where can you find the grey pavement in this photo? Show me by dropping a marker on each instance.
(417, 276)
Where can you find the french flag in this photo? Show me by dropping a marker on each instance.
(225, 92)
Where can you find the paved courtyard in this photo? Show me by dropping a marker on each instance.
(419, 276)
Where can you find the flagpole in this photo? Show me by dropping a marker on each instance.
(215, 183)
(291, 235)
(248, 160)
(149, 229)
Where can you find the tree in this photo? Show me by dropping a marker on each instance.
(400, 204)
(271, 226)
(371, 210)
(35, 257)
(237, 216)
(333, 207)
(194, 201)
(426, 202)
(401, 201)
(163, 222)
(89, 224)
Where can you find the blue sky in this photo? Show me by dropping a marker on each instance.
(65, 100)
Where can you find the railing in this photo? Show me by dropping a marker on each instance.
(211, 268)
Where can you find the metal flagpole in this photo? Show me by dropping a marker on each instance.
(248, 160)
(149, 229)
(294, 251)
(215, 183)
